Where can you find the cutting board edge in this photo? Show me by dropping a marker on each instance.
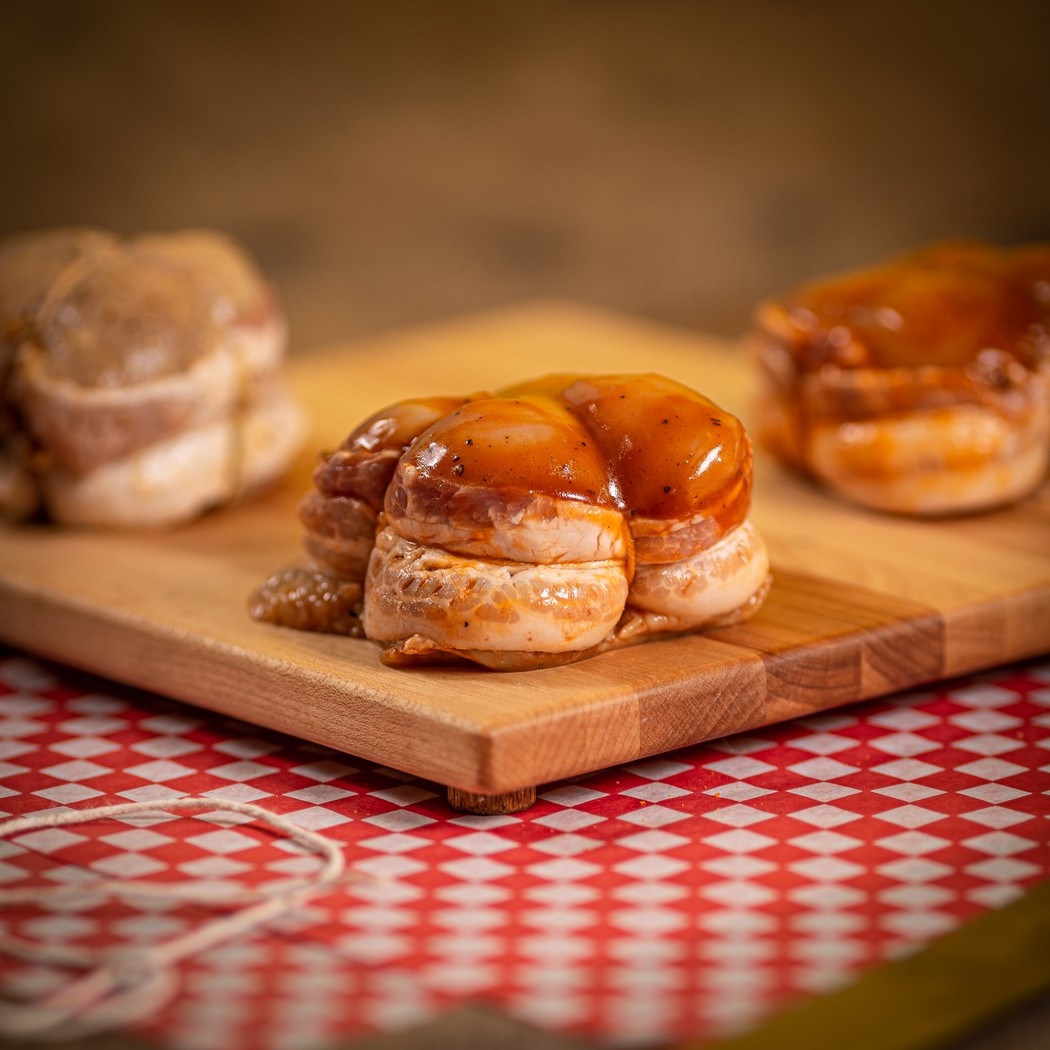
(138, 653)
(472, 756)
(1022, 631)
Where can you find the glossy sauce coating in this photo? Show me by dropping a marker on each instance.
(643, 444)
(364, 463)
(672, 451)
(942, 306)
(398, 425)
(526, 443)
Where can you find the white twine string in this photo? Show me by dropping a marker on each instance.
(124, 985)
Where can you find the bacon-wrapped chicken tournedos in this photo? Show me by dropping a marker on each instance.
(142, 379)
(918, 387)
(534, 526)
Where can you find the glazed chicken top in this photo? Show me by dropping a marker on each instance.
(633, 488)
(643, 446)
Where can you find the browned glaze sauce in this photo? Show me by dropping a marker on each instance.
(517, 444)
(942, 307)
(673, 452)
(644, 444)
(364, 463)
(959, 323)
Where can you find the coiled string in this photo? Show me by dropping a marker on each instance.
(124, 985)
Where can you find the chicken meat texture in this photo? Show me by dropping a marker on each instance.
(549, 521)
(142, 379)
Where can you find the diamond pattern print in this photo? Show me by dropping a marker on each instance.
(682, 896)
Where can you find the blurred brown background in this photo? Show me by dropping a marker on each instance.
(395, 162)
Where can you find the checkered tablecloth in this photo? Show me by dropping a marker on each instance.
(688, 895)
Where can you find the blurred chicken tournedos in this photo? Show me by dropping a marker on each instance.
(918, 387)
(142, 379)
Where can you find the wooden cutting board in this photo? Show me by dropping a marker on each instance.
(862, 604)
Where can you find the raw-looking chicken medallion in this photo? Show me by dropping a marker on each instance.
(142, 380)
(544, 522)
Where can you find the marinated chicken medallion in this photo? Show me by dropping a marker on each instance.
(534, 526)
(141, 379)
(919, 387)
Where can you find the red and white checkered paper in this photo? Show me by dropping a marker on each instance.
(688, 895)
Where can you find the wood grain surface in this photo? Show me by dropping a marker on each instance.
(862, 604)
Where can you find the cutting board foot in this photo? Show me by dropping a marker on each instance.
(491, 805)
